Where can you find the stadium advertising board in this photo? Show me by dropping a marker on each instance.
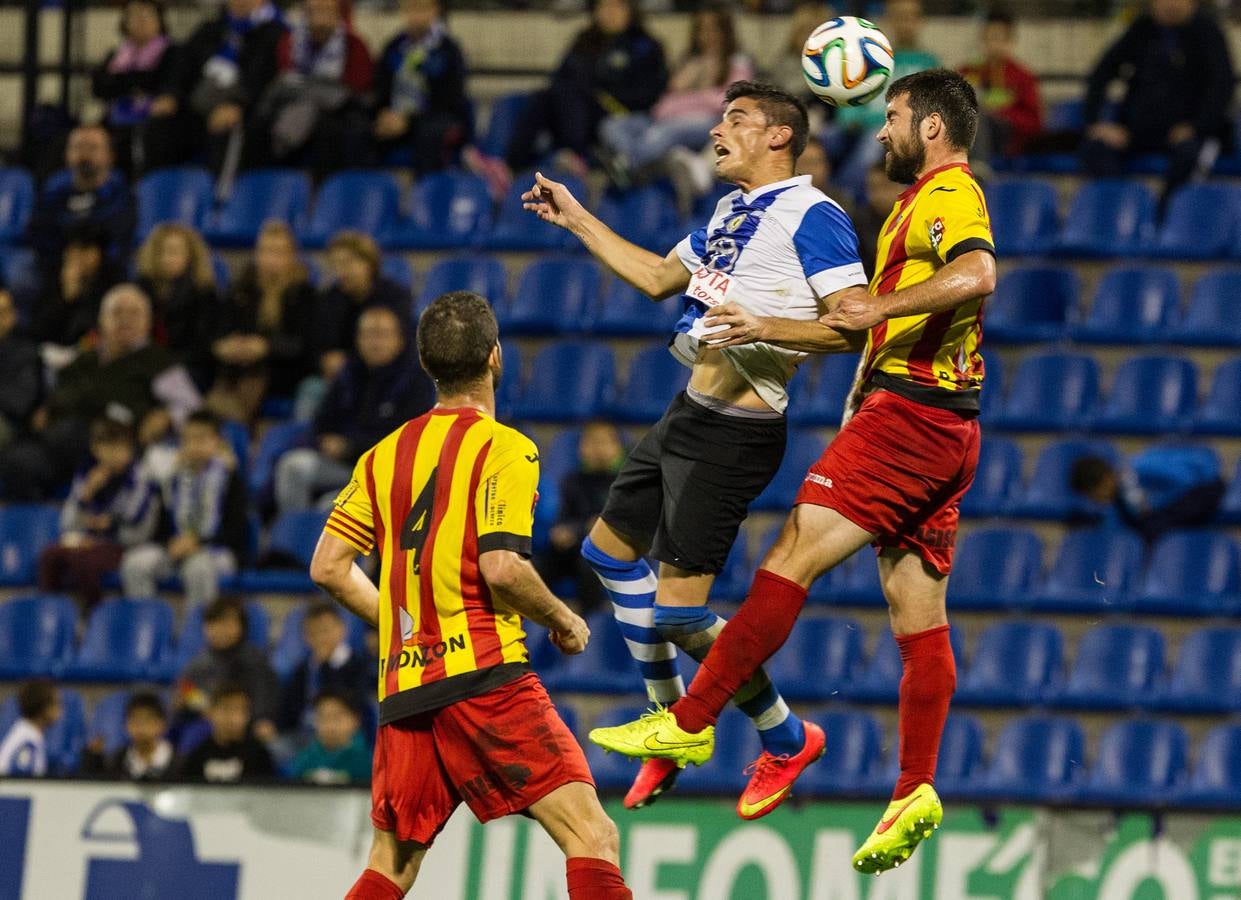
(101, 841)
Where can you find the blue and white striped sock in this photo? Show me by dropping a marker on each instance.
(694, 629)
(631, 587)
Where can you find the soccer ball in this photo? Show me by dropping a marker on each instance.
(846, 61)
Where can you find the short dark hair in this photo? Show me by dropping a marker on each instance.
(1001, 15)
(229, 689)
(207, 419)
(146, 700)
(106, 430)
(947, 93)
(34, 698)
(344, 698)
(322, 608)
(779, 106)
(1088, 472)
(222, 607)
(456, 335)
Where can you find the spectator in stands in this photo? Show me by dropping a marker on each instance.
(204, 532)
(231, 753)
(174, 268)
(1157, 490)
(1178, 78)
(1007, 91)
(112, 505)
(420, 90)
(124, 376)
(138, 81)
(338, 754)
(317, 110)
(227, 64)
(23, 752)
(69, 305)
(91, 193)
(147, 755)
(21, 373)
(638, 143)
(331, 664)
(262, 340)
(613, 67)
(582, 495)
(377, 389)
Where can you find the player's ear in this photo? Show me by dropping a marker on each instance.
(781, 136)
(932, 127)
(496, 359)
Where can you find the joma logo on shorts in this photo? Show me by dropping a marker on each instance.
(819, 479)
(419, 656)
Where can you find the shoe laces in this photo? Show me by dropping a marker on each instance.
(765, 766)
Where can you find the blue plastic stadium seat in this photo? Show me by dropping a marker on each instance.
(1230, 507)
(505, 111)
(818, 391)
(1220, 412)
(446, 210)
(1139, 763)
(608, 669)
(568, 381)
(1109, 218)
(803, 448)
(173, 195)
(190, 641)
(1050, 392)
(360, 199)
(994, 568)
(1032, 305)
(125, 640)
(959, 765)
(1047, 494)
(484, 275)
(655, 377)
(16, 203)
(733, 581)
(107, 721)
(20, 271)
(1211, 319)
(879, 680)
(260, 196)
(554, 296)
(1037, 759)
(1206, 677)
(623, 310)
(1133, 305)
(289, 648)
(509, 391)
(1199, 223)
(855, 582)
(1150, 395)
(1023, 217)
(1216, 778)
(398, 270)
(25, 529)
(997, 480)
(1192, 573)
(1014, 664)
(277, 440)
(820, 659)
(65, 740)
(1095, 570)
(645, 215)
(1115, 667)
(853, 761)
(293, 536)
(517, 229)
(36, 636)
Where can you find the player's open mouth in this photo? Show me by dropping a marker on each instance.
(720, 151)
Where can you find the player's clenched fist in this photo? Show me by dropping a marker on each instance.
(573, 638)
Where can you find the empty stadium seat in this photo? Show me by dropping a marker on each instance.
(1192, 573)
(1216, 777)
(36, 636)
(1109, 217)
(125, 640)
(191, 641)
(259, 196)
(645, 215)
(994, 568)
(1050, 392)
(1211, 319)
(518, 229)
(1014, 664)
(291, 544)
(25, 529)
(65, 740)
(446, 210)
(1036, 759)
(1207, 674)
(107, 721)
(880, 679)
(959, 764)
(1023, 216)
(359, 199)
(1133, 305)
(1230, 507)
(568, 381)
(623, 310)
(553, 296)
(803, 448)
(505, 111)
(1200, 222)
(1047, 494)
(510, 385)
(655, 377)
(16, 202)
(1115, 667)
(853, 761)
(1095, 570)
(1139, 763)
(1150, 395)
(484, 275)
(1220, 412)
(277, 440)
(397, 269)
(733, 582)
(1031, 305)
(608, 669)
(854, 582)
(997, 480)
(181, 195)
(818, 391)
(20, 271)
(819, 660)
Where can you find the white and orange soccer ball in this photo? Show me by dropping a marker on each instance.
(847, 61)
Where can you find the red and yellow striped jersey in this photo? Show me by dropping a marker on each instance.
(932, 358)
(432, 496)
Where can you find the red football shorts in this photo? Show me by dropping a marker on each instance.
(899, 469)
(500, 752)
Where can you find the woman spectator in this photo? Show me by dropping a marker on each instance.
(261, 340)
(138, 82)
(174, 268)
(357, 284)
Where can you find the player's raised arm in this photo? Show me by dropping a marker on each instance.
(970, 276)
(653, 275)
(513, 580)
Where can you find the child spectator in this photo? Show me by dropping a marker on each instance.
(231, 753)
(338, 754)
(21, 373)
(174, 268)
(204, 531)
(23, 752)
(111, 506)
(330, 665)
(148, 755)
(1007, 92)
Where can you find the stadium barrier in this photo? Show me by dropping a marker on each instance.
(96, 841)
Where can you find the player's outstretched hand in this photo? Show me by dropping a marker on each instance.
(572, 640)
(552, 202)
(856, 311)
(738, 326)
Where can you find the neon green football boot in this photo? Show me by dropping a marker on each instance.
(906, 823)
(656, 735)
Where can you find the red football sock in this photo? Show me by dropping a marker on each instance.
(927, 683)
(374, 886)
(595, 879)
(759, 629)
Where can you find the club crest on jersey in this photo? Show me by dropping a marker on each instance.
(735, 222)
(722, 253)
(936, 232)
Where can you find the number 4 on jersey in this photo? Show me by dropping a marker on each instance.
(418, 522)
